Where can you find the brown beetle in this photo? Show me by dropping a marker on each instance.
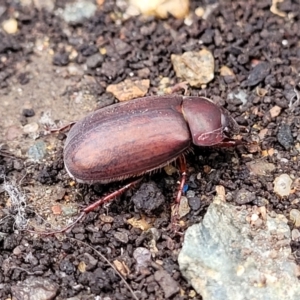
(131, 138)
(135, 137)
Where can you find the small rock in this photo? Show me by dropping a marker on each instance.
(142, 257)
(143, 73)
(238, 95)
(282, 185)
(224, 255)
(295, 235)
(17, 251)
(31, 128)
(69, 210)
(122, 236)
(74, 70)
(260, 201)
(12, 133)
(121, 47)
(56, 209)
(90, 261)
(260, 167)
(78, 11)
(35, 288)
(10, 26)
(184, 207)
(61, 59)
(148, 198)
(58, 193)
(197, 68)
(275, 111)
(47, 5)
(258, 73)
(37, 151)
(194, 203)
(94, 61)
(226, 71)
(285, 137)
(106, 219)
(161, 9)
(167, 283)
(28, 112)
(295, 217)
(2, 10)
(243, 196)
(128, 89)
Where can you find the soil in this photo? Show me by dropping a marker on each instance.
(52, 73)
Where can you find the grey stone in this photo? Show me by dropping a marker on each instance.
(167, 283)
(35, 288)
(225, 257)
(94, 61)
(78, 11)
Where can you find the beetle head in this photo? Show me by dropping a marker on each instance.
(210, 125)
(229, 125)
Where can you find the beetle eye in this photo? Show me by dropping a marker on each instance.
(229, 125)
(224, 122)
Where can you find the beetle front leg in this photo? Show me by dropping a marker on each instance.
(175, 208)
(91, 207)
(182, 168)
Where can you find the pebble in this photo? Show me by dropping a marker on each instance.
(31, 128)
(295, 235)
(56, 209)
(295, 217)
(275, 111)
(129, 89)
(226, 71)
(78, 11)
(10, 26)
(260, 167)
(35, 288)
(258, 73)
(37, 151)
(161, 9)
(142, 257)
(122, 236)
(69, 210)
(260, 201)
(148, 198)
(238, 95)
(197, 68)
(194, 203)
(225, 257)
(94, 61)
(12, 133)
(2, 10)
(282, 185)
(167, 283)
(184, 207)
(285, 137)
(47, 5)
(243, 196)
(28, 112)
(58, 193)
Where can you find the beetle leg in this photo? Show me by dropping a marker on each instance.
(111, 196)
(175, 209)
(182, 167)
(68, 126)
(91, 207)
(228, 143)
(180, 86)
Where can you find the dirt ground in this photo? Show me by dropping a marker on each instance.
(53, 72)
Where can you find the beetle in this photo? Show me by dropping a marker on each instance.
(129, 139)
